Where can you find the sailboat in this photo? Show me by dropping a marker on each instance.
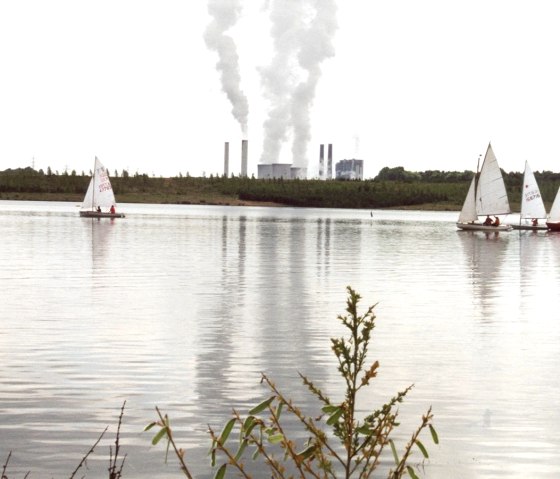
(487, 196)
(99, 195)
(553, 222)
(532, 206)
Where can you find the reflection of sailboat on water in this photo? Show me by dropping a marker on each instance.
(487, 196)
(484, 253)
(99, 195)
(532, 206)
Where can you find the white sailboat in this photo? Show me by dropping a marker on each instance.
(487, 196)
(99, 201)
(532, 206)
(553, 222)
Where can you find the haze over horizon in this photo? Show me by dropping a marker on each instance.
(423, 86)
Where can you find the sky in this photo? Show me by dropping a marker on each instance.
(424, 85)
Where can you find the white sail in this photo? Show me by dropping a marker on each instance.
(99, 192)
(532, 205)
(555, 210)
(491, 195)
(468, 213)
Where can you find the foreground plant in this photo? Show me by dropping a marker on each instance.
(337, 444)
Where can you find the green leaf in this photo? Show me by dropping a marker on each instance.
(329, 409)
(275, 438)
(150, 426)
(422, 448)
(250, 428)
(221, 472)
(335, 416)
(213, 458)
(279, 409)
(255, 454)
(262, 406)
(241, 449)
(394, 450)
(162, 432)
(434, 434)
(364, 429)
(247, 424)
(411, 472)
(226, 431)
(307, 452)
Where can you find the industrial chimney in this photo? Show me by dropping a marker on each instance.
(226, 159)
(329, 163)
(321, 161)
(244, 152)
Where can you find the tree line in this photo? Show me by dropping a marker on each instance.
(392, 187)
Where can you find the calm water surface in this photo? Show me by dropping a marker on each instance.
(182, 307)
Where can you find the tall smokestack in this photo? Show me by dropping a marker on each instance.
(226, 159)
(329, 162)
(321, 161)
(244, 152)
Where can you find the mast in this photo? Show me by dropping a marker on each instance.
(93, 184)
(476, 176)
(521, 198)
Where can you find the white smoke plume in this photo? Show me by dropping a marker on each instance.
(302, 33)
(277, 79)
(225, 14)
(316, 46)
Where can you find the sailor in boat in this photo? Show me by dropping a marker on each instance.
(112, 210)
(99, 209)
(496, 221)
(487, 221)
(535, 222)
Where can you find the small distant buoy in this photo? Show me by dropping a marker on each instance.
(371, 213)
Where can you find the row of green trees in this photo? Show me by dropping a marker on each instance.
(393, 187)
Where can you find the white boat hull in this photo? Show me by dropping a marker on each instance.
(481, 227)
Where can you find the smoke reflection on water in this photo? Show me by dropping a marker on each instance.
(184, 306)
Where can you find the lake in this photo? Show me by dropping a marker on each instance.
(182, 307)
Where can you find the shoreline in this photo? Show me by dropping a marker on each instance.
(198, 200)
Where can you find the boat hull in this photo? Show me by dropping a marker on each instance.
(481, 227)
(553, 226)
(96, 214)
(530, 228)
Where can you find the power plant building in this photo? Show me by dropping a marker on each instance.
(298, 173)
(349, 170)
(274, 170)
